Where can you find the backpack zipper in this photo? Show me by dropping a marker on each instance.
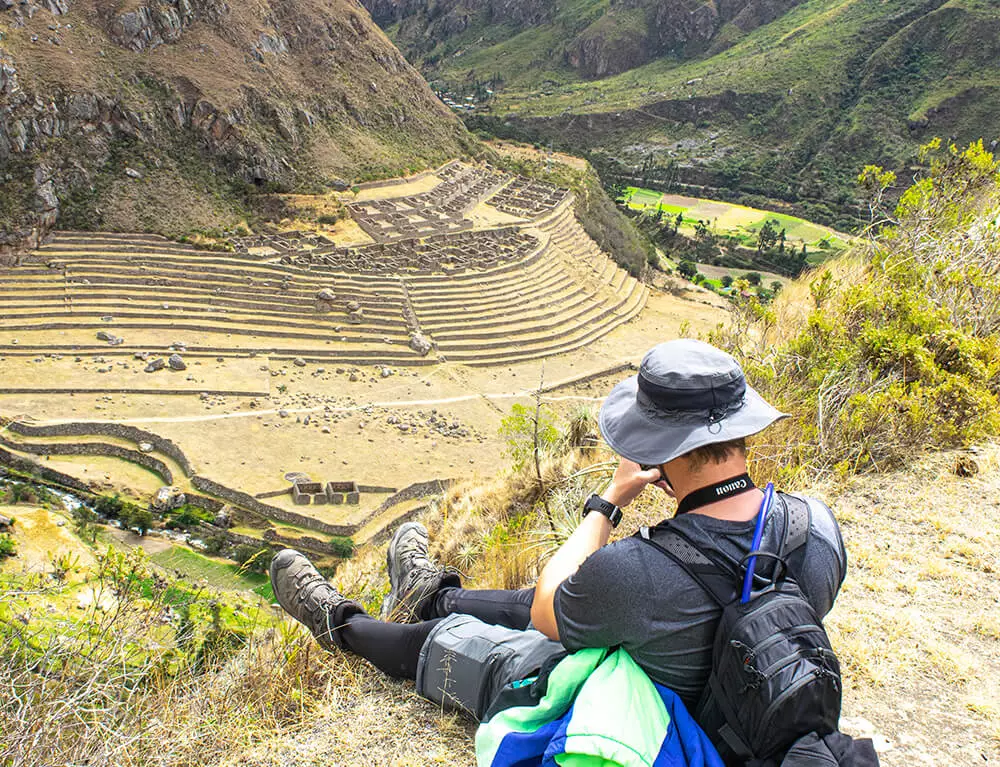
(774, 668)
(753, 652)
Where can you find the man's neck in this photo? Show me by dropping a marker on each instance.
(737, 507)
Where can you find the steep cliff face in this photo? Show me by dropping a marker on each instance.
(634, 32)
(596, 41)
(423, 26)
(109, 107)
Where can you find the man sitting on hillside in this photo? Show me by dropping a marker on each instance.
(686, 415)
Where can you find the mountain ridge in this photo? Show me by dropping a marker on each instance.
(822, 89)
(211, 99)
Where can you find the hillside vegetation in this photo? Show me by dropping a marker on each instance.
(783, 100)
(883, 358)
(169, 116)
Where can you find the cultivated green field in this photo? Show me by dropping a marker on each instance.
(225, 575)
(726, 218)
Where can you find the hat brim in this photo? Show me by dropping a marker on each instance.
(638, 435)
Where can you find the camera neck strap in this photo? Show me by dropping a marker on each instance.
(727, 488)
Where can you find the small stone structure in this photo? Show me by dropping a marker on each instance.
(316, 493)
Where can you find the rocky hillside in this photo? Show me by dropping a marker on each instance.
(787, 99)
(168, 115)
(603, 40)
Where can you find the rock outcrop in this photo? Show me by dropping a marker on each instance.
(102, 106)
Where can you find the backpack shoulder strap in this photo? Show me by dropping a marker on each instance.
(797, 523)
(715, 578)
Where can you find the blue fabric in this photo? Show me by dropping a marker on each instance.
(684, 744)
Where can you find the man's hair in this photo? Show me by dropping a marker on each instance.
(716, 452)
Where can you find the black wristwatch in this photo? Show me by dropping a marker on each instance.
(608, 509)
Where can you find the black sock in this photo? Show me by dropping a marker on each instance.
(499, 607)
(393, 648)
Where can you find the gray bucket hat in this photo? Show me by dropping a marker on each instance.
(687, 394)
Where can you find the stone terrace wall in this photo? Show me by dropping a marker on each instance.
(250, 503)
(405, 180)
(416, 490)
(270, 537)
(94, 448)
(130, 433)
(46, 474)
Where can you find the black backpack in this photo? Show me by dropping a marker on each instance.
(775, 678)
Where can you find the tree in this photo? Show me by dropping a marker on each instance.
(86, 523)
(8, 546)
(727, 280)
(753, 278)
(138, 519)
(678, 221)
(767, 237)
(687, 269)
(775, 286)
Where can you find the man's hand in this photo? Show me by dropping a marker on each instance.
(629, 480)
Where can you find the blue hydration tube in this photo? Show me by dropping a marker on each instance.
(758, 534)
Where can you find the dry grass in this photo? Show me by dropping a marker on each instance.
(915, 627)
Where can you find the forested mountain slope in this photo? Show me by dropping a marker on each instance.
(161, 116)
(783, 98)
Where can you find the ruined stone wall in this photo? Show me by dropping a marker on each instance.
(416, 490)
(407, 180)
(253, 505)
(266, 510)
(43, 472)
(130, 433)
(94, 448)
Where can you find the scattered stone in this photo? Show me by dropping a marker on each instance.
(299, 362)
(176, 363)
(158, 364)
(420, 344)
(353, 377)
(141, 356)
(132, 172)
(107, 318)
(325, 429)
(327, 295)
(5, 522)
(385, 372)
(283, 414)
(145, 447)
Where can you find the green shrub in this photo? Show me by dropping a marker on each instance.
(8, 546)
(343, 546)
(252, 558)
(901, 352)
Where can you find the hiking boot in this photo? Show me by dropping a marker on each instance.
(309, 598)
(414, 579)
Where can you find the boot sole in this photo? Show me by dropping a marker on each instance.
(391, 600)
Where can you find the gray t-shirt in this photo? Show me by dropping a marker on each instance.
(633, 595)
